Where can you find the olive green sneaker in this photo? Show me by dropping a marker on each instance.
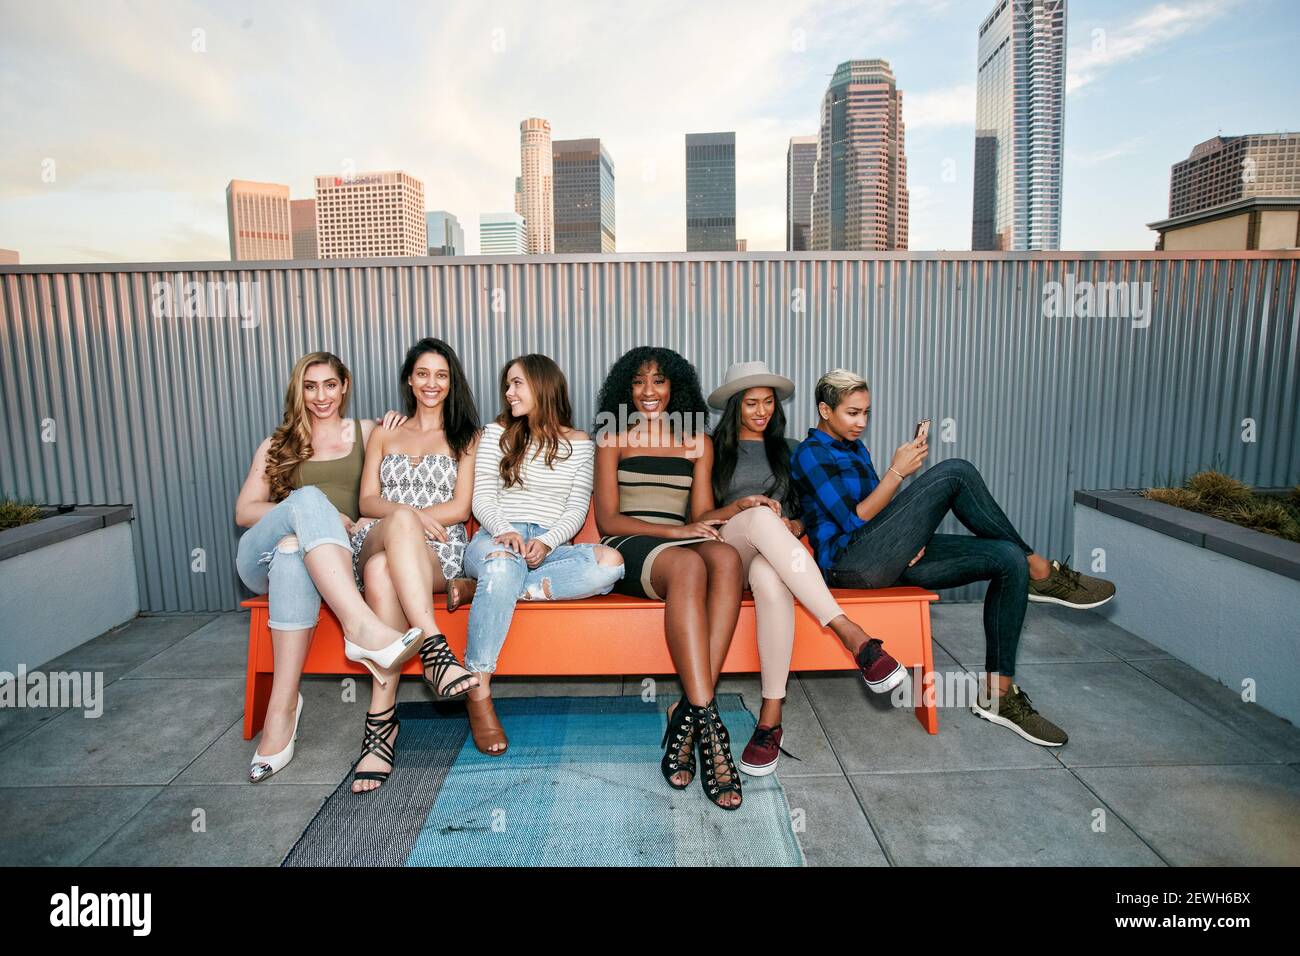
(1014, 709)
(1070, 588)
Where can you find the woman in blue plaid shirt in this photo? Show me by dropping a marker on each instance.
(868, 534)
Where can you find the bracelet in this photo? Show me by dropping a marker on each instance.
(895, 471)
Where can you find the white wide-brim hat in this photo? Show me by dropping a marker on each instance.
(745, 375)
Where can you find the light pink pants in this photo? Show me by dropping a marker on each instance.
(778, 569)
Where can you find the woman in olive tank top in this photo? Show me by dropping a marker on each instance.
(299, 502)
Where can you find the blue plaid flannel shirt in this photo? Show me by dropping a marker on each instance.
(831, 476)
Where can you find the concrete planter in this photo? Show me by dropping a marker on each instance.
(63, 580)
(1222, 598)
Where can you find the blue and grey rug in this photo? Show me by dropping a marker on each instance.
(580, 786)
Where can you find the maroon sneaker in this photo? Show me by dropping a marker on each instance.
(881, 672)
(763, 751)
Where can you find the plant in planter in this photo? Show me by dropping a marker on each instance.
(1224, 497)
(14, 513)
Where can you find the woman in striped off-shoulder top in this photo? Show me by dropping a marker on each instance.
(532, 489)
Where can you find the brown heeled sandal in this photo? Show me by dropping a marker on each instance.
(485, 727)
(460, 591)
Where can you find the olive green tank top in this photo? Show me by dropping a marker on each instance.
(338, 478)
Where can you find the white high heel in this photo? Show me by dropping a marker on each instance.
(388, 658)
(262, 766)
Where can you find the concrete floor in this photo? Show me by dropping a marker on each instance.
(1164, 766)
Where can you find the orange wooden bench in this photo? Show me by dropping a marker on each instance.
(617, 635)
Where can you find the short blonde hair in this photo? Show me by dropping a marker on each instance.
(837, 384)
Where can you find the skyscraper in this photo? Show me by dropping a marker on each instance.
(584, 196)
(446, 237)
(501, 234)
(537, 194)
(370, 214)
(710, 192)
(257, 215)
(1019, 124)
(302, 221)
(800, 161)
(1228, 168)
(860, 197)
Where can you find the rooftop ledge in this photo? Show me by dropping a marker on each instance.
(58, 526)
(1262, 550)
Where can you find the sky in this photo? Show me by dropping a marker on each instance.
(123, 122)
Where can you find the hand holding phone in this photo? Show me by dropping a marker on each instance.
(922, 434)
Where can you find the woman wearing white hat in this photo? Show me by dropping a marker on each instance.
(751, 484)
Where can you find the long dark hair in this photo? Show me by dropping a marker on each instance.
(685, 398)
(553, 413)
(459, 414)
(726, 452)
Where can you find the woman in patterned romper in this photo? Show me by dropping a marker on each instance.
(417, 483)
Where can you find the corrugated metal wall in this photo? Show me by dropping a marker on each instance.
(103, 403)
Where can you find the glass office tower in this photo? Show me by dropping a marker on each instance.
(446, 237)
(860, 196)
(710, 192)
(584, 196)
(1019, 125)
(800, 161)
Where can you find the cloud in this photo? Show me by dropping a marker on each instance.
(1097, 157)
(1153, 28)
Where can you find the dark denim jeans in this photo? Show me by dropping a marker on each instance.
(876, 555)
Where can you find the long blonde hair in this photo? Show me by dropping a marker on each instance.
(291, 441)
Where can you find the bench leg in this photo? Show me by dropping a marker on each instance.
(926, 711)
(257, 694)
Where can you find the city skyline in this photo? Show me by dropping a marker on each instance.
(124, 188)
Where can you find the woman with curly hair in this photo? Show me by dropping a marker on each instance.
(299, 502)
(653, 461)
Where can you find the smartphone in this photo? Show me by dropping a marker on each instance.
(922, 431)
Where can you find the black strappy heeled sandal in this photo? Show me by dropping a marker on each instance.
(375, 741)
(714, 742)
(436, 655)
(678, 737)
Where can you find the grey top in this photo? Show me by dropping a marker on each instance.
(753, 475)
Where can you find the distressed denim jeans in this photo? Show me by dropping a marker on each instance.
(569, 573)
(278, 571)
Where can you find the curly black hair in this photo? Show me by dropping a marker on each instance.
(686, 398)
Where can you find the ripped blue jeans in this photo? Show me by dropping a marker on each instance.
(278, 571)
(569, 573)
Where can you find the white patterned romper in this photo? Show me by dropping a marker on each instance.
(431, 482)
